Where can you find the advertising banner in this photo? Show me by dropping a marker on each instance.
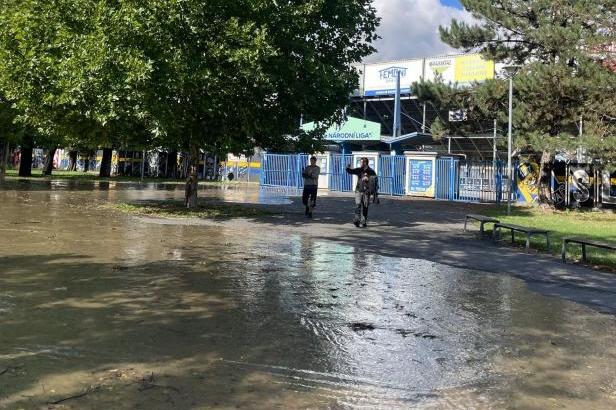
(354, 129)
(442, 68)
(380, 79)
(420, 174)
(459, 69)
(472, 68)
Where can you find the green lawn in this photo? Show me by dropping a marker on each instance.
(176, 209)
(588, 224)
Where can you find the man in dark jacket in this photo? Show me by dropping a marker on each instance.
(311, 186)
(362, 197)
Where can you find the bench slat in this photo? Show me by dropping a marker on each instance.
(482, 218)
(592, 242)
(520, 228)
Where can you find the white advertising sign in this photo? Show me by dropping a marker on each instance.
(380, 79)
(440, 67)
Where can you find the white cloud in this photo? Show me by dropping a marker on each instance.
(409, 28)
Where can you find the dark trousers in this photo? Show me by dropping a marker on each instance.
(309, 194)
(361, 207)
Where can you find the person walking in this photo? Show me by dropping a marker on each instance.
(362, 196)
(311, 185)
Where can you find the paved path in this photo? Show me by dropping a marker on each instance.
(432, 230)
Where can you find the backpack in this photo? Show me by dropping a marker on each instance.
(371, 188)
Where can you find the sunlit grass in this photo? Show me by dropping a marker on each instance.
(598, 225)
(176, 209)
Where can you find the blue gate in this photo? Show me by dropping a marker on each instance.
(339, 179)
(469, 181)
(283, 170)
(392, 174)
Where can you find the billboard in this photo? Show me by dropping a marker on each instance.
(463, 69)
(442, 68)
(420, 174)
(471, 68)
(380, 79)
(354, 129)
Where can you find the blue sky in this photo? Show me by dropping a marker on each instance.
(452, 3)
(409, 28)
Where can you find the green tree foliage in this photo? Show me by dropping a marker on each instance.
(558, 43)
(66, 74)
(191, 74)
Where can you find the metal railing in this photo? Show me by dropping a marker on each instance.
(471, 181)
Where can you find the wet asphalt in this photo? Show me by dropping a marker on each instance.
(100, 310)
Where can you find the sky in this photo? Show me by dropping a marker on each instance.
(409, 28)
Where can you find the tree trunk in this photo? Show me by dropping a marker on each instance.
(86, 162)
(545, 177)
(4, 158)
(72, 161)
(105, 171)
(48, 166)
(25, 165)
(190, 199)
(172, 164)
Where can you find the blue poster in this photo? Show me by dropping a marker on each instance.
(420, 181)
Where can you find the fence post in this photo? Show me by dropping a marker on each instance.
(481, 183)
(298, 165)
(451, 192)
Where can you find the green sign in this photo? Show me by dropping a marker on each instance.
(353, 129)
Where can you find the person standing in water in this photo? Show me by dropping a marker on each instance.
(311, 185)
(362, 197)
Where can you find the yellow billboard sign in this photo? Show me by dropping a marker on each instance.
(471, 68)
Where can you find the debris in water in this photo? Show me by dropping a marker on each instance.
(76, 396)
(358, 327)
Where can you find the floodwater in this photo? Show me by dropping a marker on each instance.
(100, 310)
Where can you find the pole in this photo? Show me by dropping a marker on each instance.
(397, 127)
(423, 122)
(142, 165)
(509, 146)
(581, 125)
(204, 164)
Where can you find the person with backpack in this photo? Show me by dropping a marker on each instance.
(367, 185)
(311, 185)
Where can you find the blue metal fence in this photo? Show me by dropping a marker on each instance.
(469, 181)
(283, 170)
(339, 179)
(392, 174)
(456, 178)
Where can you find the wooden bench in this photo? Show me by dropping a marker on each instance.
(528, 231)
(584, 242)
(482, 220)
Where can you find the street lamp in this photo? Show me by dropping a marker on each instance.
(510, 70)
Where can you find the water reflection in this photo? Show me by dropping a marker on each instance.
(337, 325)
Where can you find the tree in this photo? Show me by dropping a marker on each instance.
(560, 82)
(9, 133)
(229, 74)
(239, 74)
(67, 75)
(483, 103)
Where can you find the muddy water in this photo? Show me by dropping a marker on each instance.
(100, 310)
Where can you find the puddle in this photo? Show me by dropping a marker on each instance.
(131, 315)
